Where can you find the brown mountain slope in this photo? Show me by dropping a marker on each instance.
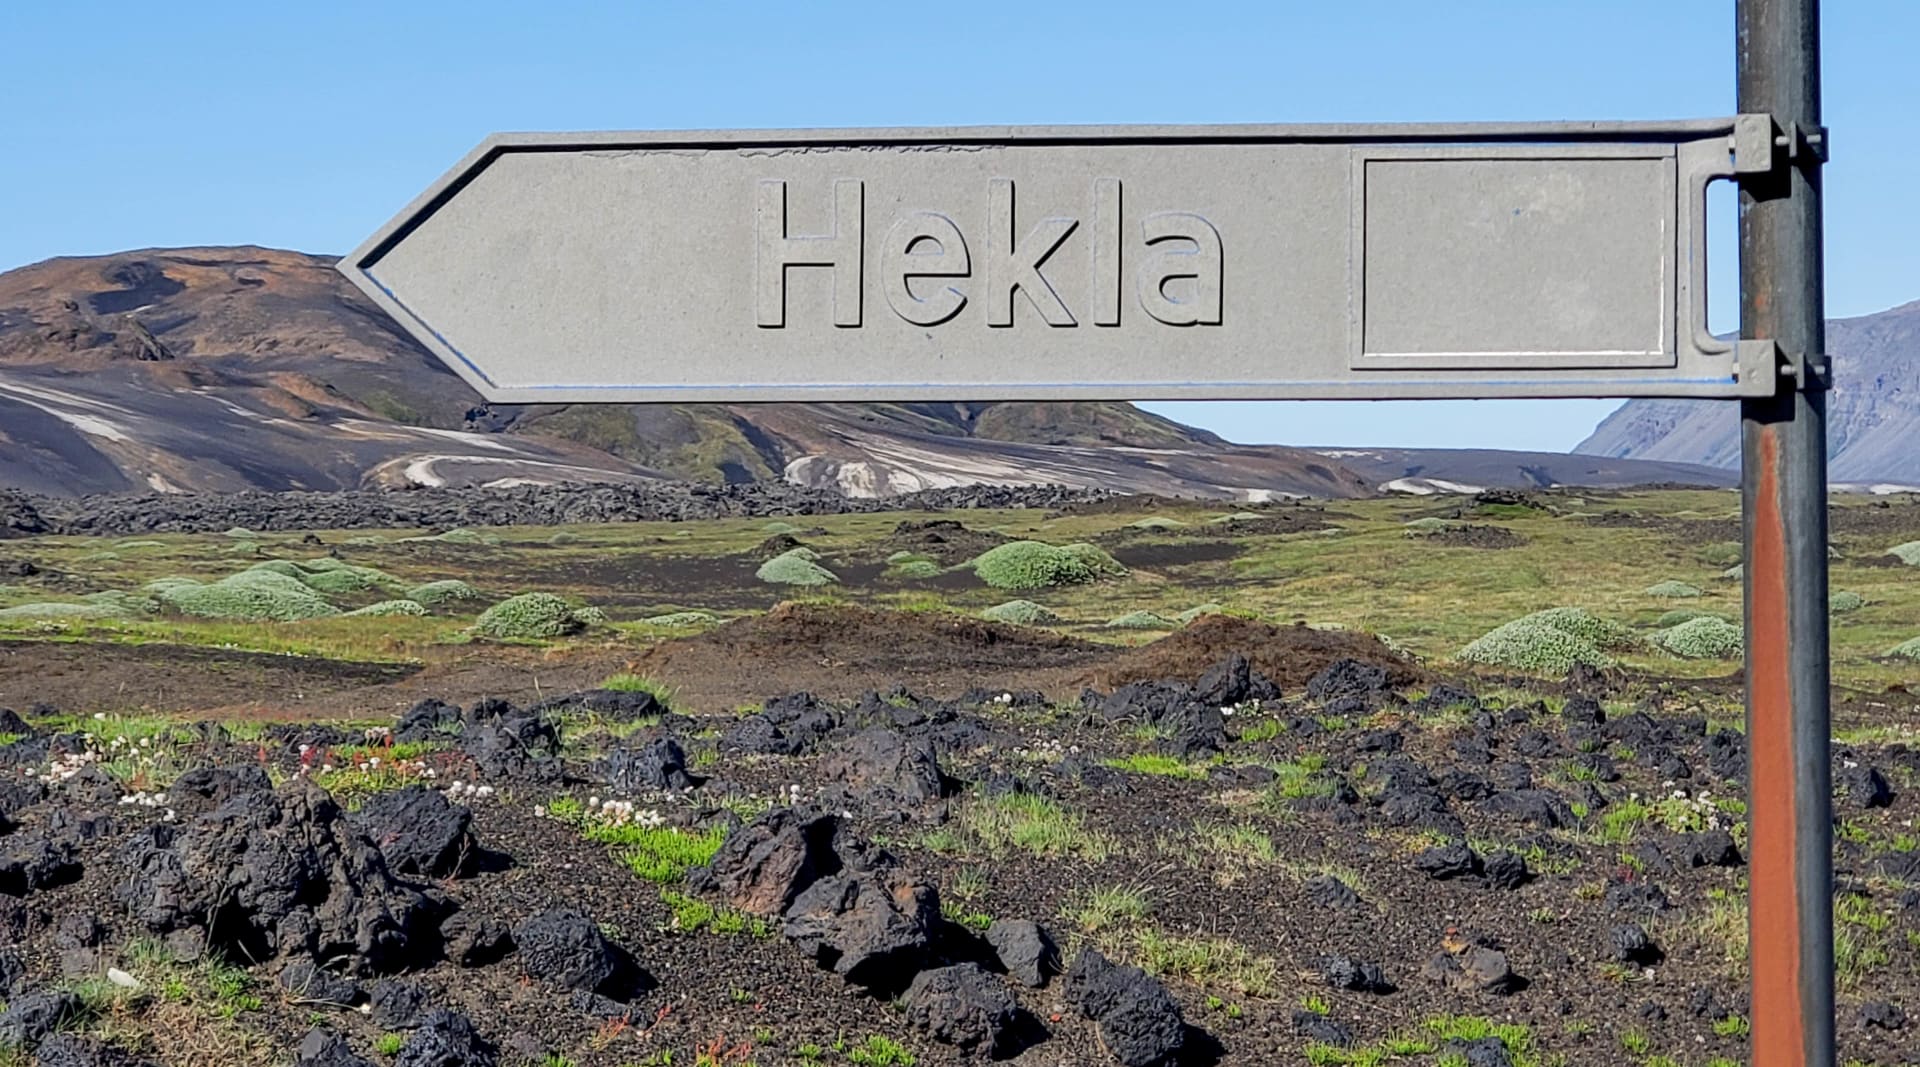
(1873, 412)
(227, 368)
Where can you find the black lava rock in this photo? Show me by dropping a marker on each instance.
(1139, 1021)
(1448, 861)
(420, 831)
(1882, 1015)
(307, 983)
(1025, 950)
(873, 928)
(1507, 870)
(1631, 944)
(280, 874)
(73, 1050)
(962, 1006)
(398, 1005)
(1355, 976)
(1330, 892)
(1346, 678)
(30, 1019)
(1318, 1028)
(567, 948)
(474, 940)
(325, 1048)
(658, 764)
(1713, 848)
(447, 1039)
(1864, 786)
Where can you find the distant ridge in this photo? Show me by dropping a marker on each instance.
(1873, 412)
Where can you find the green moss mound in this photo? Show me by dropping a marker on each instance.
(1600, 633)
(443, 592)
(250, 596)
(1530, 644)
(681, 618)
(241, 533)
(796, 567)
(1720, 554)
(1672, 590)
(1842, 601)
(563, 538)
(1734, 573)
(345, 578)
(906, 556)
(388, 609)
(915, 569)
(60, 611)
(1706, 638)
(1906, 650)
(1197, 611)
(1428, 525)
(1550, 641)
(1038, 565)
(775, 528)
(460, 535)
(1020, 613)
(1908, 553)
(1679, 615)
(1156, 522)
(1140, 620)
(532, 616)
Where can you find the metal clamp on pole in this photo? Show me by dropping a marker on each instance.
(1762, 145)
(1760, 361)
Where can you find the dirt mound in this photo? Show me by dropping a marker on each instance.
(1472, 535)
(945, 540)
(839, 651)
(1289, 655)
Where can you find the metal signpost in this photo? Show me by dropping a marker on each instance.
(1205, 262)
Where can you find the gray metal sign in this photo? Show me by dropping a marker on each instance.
(1257, 262)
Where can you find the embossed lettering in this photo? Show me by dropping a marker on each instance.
(776, 250)
(1014, 264)
(1167, 264)
(1106, 251)
(925, 244)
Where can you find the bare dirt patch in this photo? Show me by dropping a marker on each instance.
(1290, 655)
(175, 678)
(840, 652)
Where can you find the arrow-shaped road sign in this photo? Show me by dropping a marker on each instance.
(1253, 262)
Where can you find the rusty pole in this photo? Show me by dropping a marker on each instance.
(1784, 493)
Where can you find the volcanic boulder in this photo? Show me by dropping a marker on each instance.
(567, 949)
(30, 1019)
(1025, 950)
(516, 748)
(874, 928)
(656, 765)
(279, 874)
(73, 1050)
(763, 866)
(419, 831)
(1140, 1024)
(962, 1006)
(447, 1039)
(885, 769)
(325, 1048)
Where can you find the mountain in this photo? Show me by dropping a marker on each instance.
(1469, 470)
(252, 368)
(1873, 412)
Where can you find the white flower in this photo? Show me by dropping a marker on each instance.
(99, 716)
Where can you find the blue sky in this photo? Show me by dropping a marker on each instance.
(299, 125)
